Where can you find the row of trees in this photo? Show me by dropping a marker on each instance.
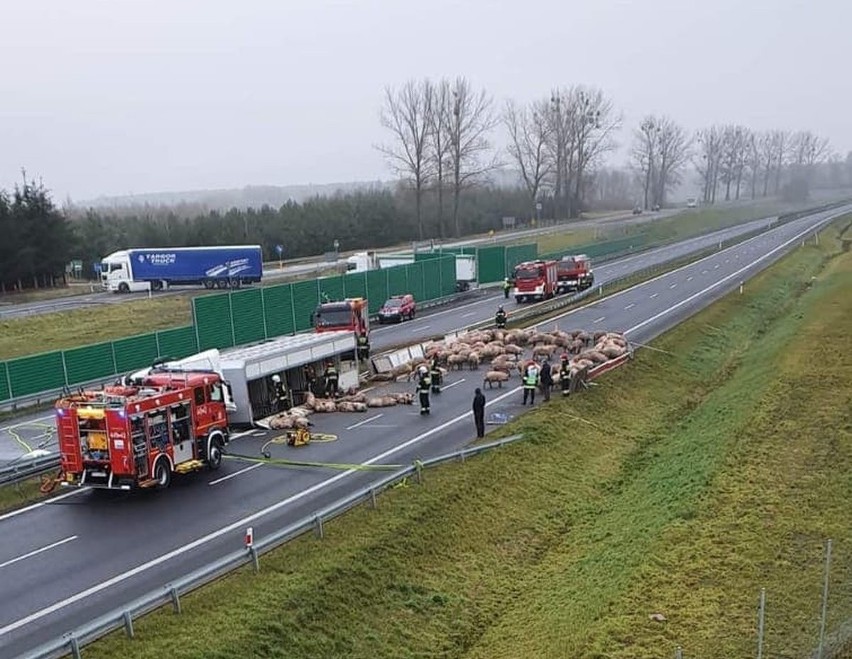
(38, 240)
(440, 141)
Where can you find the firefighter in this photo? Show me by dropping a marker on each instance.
(281, 398)
(331, 378)
(311, 379)
(500, 318)
(424, 383)
(435, 376)
(530, 383)
(507, 287)
(565, 375)
(363, 345)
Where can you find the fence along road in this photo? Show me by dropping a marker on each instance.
(203, 518)
(28, 433)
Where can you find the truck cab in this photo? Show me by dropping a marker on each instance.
(117, 275)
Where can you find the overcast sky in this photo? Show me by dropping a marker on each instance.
(131, 96)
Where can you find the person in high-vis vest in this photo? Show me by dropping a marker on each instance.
(424, 383)
(435, 376)
(530, 383)
(507, 287)
(331, 380)
(363, 346)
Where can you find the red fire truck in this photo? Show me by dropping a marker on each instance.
(350, 314)
(574, 273)
(535, 280)
(140, 432)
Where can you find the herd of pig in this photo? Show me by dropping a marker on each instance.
(504, 350)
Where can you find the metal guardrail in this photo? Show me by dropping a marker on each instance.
(549, 306)
(20, 471)
(124, 616)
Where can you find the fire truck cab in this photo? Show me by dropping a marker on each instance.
(350, 314)
(137, 435)
(574, 273)
(535, 280)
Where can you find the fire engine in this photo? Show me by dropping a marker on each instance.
(574, 273)
(141, 431)
(535, 280)
(350, 314)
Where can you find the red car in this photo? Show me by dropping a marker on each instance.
(398, 308)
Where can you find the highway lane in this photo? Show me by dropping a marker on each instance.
(126, 545)
(28, 432)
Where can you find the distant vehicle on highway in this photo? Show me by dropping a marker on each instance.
(637, 209)
(398, 308)
(135, 270)
(692, 202)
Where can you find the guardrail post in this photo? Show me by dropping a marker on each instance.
(318, 524)
(254, 558)
(372, 498)
(418, 471)
(678, 653)
(600, 289)
(128, 624)
(175, 599)
(75, 647)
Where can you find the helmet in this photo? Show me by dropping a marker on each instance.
(423, 370)
(276, 378)
(500, 308)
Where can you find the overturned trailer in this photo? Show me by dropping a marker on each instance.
(249, 370)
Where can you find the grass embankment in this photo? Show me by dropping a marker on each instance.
(680, 485)
(20, 494)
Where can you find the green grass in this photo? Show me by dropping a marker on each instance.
(20, 494)
(680, 485)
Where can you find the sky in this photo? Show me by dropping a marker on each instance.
(115, 97)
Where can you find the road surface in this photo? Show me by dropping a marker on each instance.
(67, 561)
(35, 431)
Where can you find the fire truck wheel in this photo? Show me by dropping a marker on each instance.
(162, 473)
(214, 452)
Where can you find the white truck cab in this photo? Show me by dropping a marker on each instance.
(117, 276)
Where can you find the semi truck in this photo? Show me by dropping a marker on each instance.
(134, 270)
(364, 261)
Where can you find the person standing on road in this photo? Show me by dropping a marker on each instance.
(546, 380)
(479, 412)
(424, 384)
(530, 383)
(331, 378)
(507, 286)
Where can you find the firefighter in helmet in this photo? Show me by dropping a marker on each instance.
(500, 318)
(435, 375)
(507, 286)
(331, 380)
(363, 345)
(282, 400)
(424, 383)
(565, 375)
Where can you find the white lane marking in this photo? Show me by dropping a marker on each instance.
(653, 295)
(673, 286)
(235, 474)
(361, 423)
(704, 272)
(453, 384)
(715, 267)
(729, 276)
(689, 279)
(239, 524)
(26, 423)
(237, 435)
(417, 329)
(630, 306)
(38, 551)
(43, 503)
(468, 315)
(727, 260)
(599, 319)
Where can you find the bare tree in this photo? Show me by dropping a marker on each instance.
(439, 143)
(809, 149)
(781, 144)
(767, 159)
(529, 132)
(734, 140)
(708, 160)
(673, 149)
(754, 159)
(470, 121)
(407, 114)
(644, 154)
(595, 124)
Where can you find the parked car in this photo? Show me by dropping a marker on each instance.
(692, 202)
(398, 308)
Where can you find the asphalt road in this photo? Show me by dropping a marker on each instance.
(34, 432)
(65, 562)
(305, 268)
